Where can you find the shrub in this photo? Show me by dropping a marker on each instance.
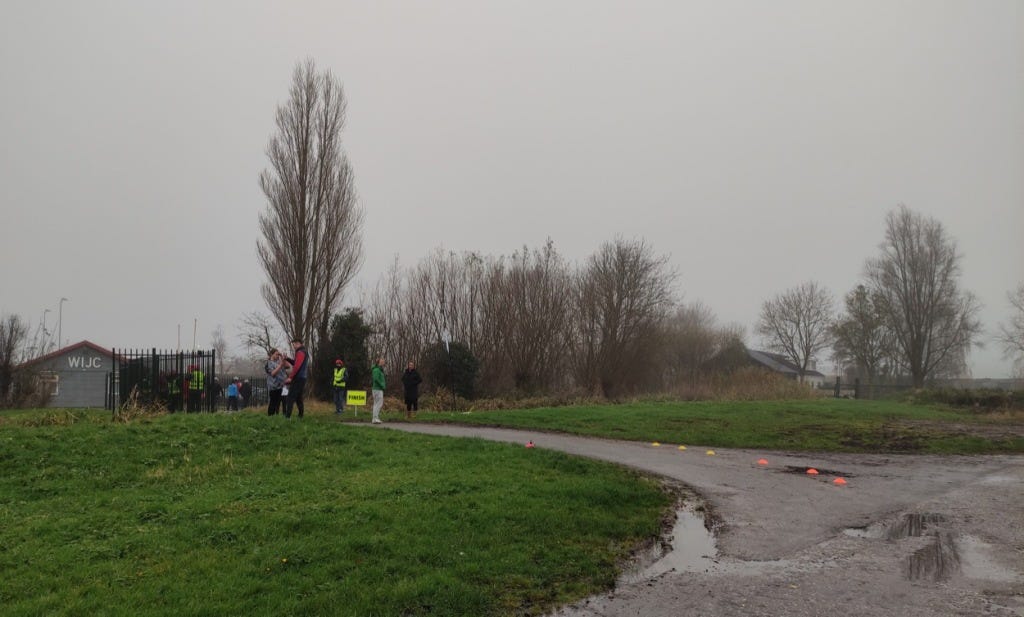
(744, 384)
(134, 408)
(979, 399)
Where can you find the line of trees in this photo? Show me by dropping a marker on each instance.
(536, 324)
(909, 317)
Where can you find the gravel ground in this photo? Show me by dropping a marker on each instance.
(907, 535)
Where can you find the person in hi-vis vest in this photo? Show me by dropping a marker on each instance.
(196, 386)
(340, 391)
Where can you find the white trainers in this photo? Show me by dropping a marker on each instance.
(376, 421)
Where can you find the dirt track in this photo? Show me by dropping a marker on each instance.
(792, 544)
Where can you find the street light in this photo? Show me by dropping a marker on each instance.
(60, 320)
(46, 333)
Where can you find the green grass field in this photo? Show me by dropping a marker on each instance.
(245, 514)
(250, 515)
(817, 425)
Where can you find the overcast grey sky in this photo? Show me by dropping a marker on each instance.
(760, 144)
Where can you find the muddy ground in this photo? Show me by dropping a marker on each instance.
(908, 535)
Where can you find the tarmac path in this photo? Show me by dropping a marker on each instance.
(908, 535)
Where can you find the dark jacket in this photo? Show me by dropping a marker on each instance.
(411, 380)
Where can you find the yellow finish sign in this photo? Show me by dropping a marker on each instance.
(356, 397)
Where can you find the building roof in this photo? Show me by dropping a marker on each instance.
(779, 363)
(68, 349)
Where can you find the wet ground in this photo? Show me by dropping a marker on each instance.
(907, 535)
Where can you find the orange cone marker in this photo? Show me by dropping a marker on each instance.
(762, 461)
(812, 471)
(710, 452)
(655, 444)
(682, 447)
(839, 482)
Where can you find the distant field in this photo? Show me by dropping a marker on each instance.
(249, 515)
(817, 425)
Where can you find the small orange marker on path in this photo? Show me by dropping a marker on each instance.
(655, 444)
(762, 461)
(682, 447)
(812, 471)
(710, 453)
(839, 482)
(529, 444)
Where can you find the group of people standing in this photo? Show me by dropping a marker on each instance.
(286, 381)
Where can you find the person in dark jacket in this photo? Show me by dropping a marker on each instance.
(411, 380)
(296, 380)
(245, 391)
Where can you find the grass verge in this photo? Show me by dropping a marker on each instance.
(835, 425)
(245, 514)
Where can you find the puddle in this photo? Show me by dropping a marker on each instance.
(913, 525)
(692, 549)
(823, 472)
(871, 531)
(935, 562)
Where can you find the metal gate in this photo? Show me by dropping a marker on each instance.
(177, 380)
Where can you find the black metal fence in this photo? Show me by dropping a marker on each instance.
(178, 380)
(861, 390)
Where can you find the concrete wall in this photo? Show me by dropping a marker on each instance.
(78, 377)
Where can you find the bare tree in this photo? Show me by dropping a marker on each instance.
(312, 243)
(219, 343)
(1011, 334)
(622, 297)
(796, 323)
(861, 337)
(693, 339)
(397, 325)
(527, 304)
(13, 336)
(259, 333)
(916, 282)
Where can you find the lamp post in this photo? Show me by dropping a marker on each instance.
(46, 333)
(60, 320)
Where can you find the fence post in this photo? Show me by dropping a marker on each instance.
(837, 387)
(856, 388)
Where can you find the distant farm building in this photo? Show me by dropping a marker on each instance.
(778, 363)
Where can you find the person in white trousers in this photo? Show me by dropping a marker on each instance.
(378, 384)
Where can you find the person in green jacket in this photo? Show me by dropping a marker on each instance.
(378, 385)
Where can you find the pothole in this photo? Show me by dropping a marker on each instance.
(935, 562)
(913, 525)
(824, 472)
(691, 548)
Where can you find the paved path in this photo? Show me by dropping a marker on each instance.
(781, 537)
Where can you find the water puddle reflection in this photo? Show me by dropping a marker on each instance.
(692, 549)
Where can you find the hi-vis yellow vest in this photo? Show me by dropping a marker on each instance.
(339, 377)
